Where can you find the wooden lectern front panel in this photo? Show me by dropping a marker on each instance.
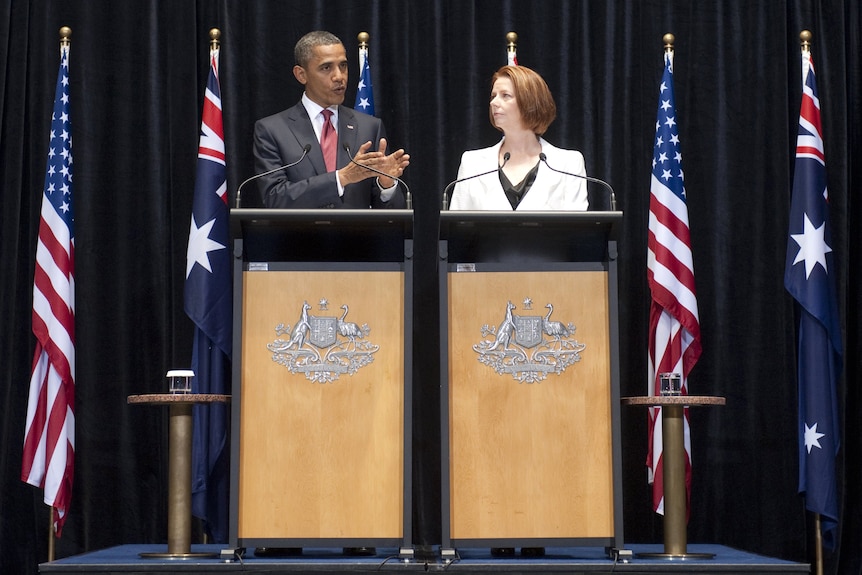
(322, 405)
(529, 405)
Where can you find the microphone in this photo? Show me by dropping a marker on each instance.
(305, 150)
(451, 185)
(407, 196)
(613, 197)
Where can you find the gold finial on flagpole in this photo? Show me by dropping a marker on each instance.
(215, 38)
(511, 42)
(668, 40)
(805, 38)
(363, 38)
(65, 36)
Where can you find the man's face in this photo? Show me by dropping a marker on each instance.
(325, 75)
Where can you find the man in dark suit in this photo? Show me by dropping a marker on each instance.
(321, 66)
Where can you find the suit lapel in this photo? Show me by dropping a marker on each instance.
(303, 131)
(546, 179)
(347, 135)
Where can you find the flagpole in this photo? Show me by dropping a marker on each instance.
(818, 545)
(215, 35)
(364, 93)
(215, 45)
(805, 38)
(512, 48)
(65, 44)
(363, 38)
(805, 46)
(50, 534)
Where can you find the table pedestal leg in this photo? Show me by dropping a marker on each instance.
(180, 480)
(673, 453)
(180, 486)
(673, 470)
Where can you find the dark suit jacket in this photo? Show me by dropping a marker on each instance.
(279, 139)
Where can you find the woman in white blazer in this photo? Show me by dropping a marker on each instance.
(521, 107)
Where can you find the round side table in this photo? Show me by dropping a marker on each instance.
(673, 454)
(179, 468)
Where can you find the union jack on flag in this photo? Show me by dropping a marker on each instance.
(49, 437)
(209, 303)
(809, 277)
(674, 332)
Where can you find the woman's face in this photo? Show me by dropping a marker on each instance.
(504, 105)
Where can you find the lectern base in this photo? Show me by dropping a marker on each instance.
(676, 556)
(166, 555)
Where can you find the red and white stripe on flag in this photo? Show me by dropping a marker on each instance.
(674, 330)
(49, 436)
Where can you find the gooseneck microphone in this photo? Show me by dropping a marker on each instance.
(305, 150)
(451, 185)
(407, 197)
(612, 196)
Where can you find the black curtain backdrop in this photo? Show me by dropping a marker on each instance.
(138, 71)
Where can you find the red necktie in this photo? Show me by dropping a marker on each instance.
(328, 141)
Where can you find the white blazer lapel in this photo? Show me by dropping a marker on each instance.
(546, 181)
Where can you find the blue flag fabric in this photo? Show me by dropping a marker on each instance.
(810, 278)
(364, 92)
(209, 303)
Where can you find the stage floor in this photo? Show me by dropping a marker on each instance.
(126, 559)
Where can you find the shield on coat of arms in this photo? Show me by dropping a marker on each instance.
(528, 330)
(323, 331)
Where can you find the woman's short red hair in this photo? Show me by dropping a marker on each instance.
(534, 97)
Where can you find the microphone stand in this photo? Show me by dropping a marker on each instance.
(305, 150)
(451, 185)
(612, 196)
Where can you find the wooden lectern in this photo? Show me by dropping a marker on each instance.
(530, 423)
(321, 417)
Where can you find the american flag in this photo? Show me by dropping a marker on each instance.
(674, 335)
(809, 277)
(49, 436)
(208, 302)
(364, 92)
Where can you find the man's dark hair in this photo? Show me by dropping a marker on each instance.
(304, 49)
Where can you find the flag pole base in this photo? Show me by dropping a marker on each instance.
(166, 555)
(676, 556)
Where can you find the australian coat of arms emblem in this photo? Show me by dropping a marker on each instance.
(322, 347)
(529, 346)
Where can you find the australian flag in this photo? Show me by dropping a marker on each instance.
(364, 93)
(208, 302)
(810, 278)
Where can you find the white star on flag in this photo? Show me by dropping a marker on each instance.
(812, 246)
(363, 103)
(199, 246)
(812, 438)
